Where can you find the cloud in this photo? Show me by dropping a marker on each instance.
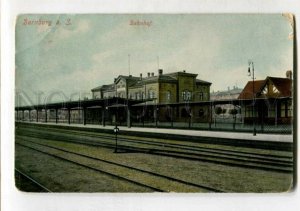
(94, 50)
(102, 56)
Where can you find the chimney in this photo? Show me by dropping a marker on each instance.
(160, 71)
(289, 74)
(141, 76)
(152, 74)
(148, 74)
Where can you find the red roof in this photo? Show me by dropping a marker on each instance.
(247, 92)
(283, 85)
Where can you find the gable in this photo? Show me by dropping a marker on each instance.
(269, 89)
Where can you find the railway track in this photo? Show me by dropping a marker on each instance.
(152, 180)
(32, 180)
(162, 143)
(270, 162)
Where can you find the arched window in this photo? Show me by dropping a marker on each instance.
(151, 94)
(186, 95)
(201, 96)
(168, 95)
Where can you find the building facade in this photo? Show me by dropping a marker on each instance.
(158, 90)
(162, 88)
(275, 94)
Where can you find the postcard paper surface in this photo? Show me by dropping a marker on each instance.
(154, 103)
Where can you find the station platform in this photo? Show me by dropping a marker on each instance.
(187, 133)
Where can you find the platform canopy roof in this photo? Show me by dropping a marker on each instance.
(83, 103)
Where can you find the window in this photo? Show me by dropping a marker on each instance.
(137, 96)
(186, 95)
(151, 94)
(168, 95)
(201, 96)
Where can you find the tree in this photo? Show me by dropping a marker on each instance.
(224, 111)
(233, 112)
(218, 110)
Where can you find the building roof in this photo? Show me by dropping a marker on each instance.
(107, 87)
(228, 94)
(198, 81)
(98, 88)
(127, 78)
(133, 81)
(176, 74)
(283, 85)
(247, 92)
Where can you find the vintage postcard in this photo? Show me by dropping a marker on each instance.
(183, 103)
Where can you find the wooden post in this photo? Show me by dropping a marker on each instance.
(56, 116)
(171, 116)
(45, 115)
(37, 115)
(84, 115)
(103, 115)
(128, 116)
(69, 116)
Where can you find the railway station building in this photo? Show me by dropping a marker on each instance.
(175, 100)
(272, 100)
(160, 91)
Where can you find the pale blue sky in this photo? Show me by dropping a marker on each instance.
(94, 49)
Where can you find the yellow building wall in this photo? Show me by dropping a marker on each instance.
(164, 89)
(185, 83)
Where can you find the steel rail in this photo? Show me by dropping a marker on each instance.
(33, 180)
(133, 168)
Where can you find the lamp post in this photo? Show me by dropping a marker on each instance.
(251, 64)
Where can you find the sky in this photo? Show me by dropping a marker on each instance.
(65, 56)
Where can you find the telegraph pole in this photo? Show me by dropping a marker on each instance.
(251, 64)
